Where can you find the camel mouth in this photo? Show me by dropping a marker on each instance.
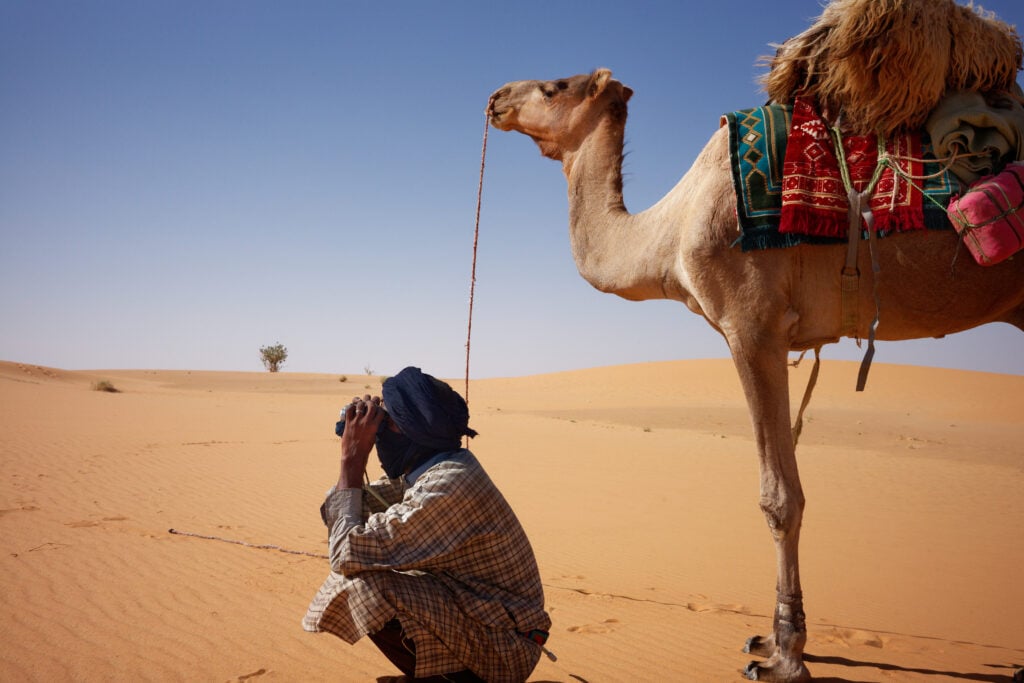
(498, 117)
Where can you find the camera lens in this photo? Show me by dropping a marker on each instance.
(339, 426)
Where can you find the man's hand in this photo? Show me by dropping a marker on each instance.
(362, 419)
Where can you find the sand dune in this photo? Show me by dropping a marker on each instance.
(637, 484)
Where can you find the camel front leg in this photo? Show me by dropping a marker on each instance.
(764, 375)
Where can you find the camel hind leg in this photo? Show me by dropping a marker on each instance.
(763, 372)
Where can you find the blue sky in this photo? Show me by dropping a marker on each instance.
(184, 182)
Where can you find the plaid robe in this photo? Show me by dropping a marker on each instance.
(450, 560)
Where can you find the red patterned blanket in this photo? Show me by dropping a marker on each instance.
(814, 198)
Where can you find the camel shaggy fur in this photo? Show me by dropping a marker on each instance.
(883, 65)
(764, 303)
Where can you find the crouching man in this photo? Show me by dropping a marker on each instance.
(430, 562)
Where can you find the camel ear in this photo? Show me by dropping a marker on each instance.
(598, 80)
(627, 92)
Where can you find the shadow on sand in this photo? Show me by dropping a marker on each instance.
(1010, 672)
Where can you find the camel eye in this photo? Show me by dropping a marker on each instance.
(549, 90)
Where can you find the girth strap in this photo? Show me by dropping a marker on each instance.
(859, 208)
(811, 381)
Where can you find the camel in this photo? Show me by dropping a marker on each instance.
(765, 304)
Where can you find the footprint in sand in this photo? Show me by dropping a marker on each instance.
(606, 626)
(23, 508)
(849, 636)
(711, 607)
(90, 522)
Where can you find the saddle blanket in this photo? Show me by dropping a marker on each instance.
(789, 187)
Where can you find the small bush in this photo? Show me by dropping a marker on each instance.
(343, 378)
(273, 357)
(104, 385)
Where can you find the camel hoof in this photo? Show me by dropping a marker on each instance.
(774, 673)
(757, 645)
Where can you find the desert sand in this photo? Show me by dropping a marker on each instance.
(638, 486)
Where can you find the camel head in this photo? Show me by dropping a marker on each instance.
(558, 115)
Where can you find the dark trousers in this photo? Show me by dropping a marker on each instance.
(401, 651)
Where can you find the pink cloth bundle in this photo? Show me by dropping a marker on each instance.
(989, 216)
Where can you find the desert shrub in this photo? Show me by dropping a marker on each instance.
(104, 385)
(273, 357)
(343, 378)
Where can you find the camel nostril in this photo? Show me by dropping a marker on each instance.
(492, 102)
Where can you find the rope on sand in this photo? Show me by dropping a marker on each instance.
(260, 546)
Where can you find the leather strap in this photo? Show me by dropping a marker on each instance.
(811, 381)
(865, 365)
(850, 284)
(850, 278)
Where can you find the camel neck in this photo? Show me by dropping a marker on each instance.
(614, 251)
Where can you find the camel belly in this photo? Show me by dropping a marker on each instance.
(927, 285)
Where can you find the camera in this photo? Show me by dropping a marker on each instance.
(339, 426)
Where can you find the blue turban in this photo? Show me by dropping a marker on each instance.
(427, 410)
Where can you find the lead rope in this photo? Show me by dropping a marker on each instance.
(476, 241)
(258, 546)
